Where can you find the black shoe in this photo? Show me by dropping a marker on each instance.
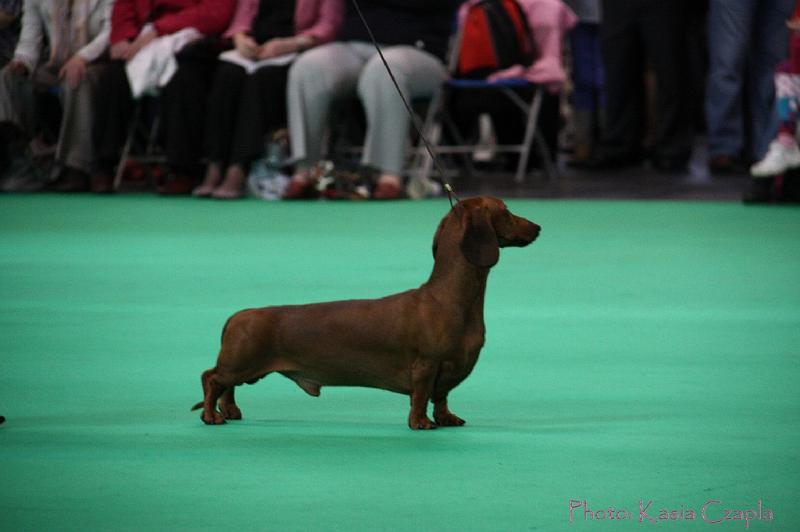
(761, 191)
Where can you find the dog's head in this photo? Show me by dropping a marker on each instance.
(482, 226)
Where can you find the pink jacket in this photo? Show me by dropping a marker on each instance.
(549, 20)
(320, 19)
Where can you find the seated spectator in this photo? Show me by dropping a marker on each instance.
(9, 28)
(414, 36)
(245, 106)
(549, 21)
(183, 31)
(78, 34)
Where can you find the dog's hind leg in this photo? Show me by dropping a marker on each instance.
(443, 416)
(227, 405)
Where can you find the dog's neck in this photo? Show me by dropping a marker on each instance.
(452, 274)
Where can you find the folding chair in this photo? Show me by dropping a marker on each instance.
(439, 126)
(141, 143)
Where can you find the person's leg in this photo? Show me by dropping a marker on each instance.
(224, 105)
(730, 24)
(183, 117)
(419, 75)
(113, 110)
(783, 152)
(17, 102)
(262, 109)
(663, 26)
(317, 79)
(75, 147)
(623, 61)
(769, 48)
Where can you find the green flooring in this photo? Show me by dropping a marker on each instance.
(639, 351)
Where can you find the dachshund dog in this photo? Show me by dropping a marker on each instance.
(421, 342)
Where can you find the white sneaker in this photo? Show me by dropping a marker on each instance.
(779, 158)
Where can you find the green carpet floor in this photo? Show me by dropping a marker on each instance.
(639, 351)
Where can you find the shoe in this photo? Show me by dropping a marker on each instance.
(723, 165)
(761, 191)
(387, 190)
(175, 184)
(70, 180)
(780, 157)
(227, 194)
(300, 190)
(102, 183)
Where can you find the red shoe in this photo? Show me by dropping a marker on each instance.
(300, 190)
(387, 191)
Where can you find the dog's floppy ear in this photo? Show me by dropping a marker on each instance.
(479, 244)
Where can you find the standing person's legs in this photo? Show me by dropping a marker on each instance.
(730, 25)
(419, 75)
(623, 61)
(770, 47)
(663, 29)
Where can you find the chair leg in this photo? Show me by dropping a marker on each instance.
(530, 132)
(126, 149)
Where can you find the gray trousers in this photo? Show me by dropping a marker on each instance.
(18, 105)
(330, 73)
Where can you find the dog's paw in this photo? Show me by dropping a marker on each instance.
(230, 411)
(422, 423)
(448, 419)
(212, 418)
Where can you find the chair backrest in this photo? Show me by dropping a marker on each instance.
(493, 35)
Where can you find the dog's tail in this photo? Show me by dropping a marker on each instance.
(198, 406)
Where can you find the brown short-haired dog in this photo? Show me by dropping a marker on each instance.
(421, 342)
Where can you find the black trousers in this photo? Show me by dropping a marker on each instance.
(182, 109)
(242, 109)
(633, 33)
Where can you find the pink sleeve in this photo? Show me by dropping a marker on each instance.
(242, 21)
(320, 19)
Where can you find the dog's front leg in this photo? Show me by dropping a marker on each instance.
(423, 375)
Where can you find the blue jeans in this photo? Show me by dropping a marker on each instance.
(744, 35)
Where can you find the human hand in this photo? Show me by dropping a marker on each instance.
(17, 67)
(140, 42)
(793, 24)
(73, 71)
(278, 46)
(119, 50)
(245, 45)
